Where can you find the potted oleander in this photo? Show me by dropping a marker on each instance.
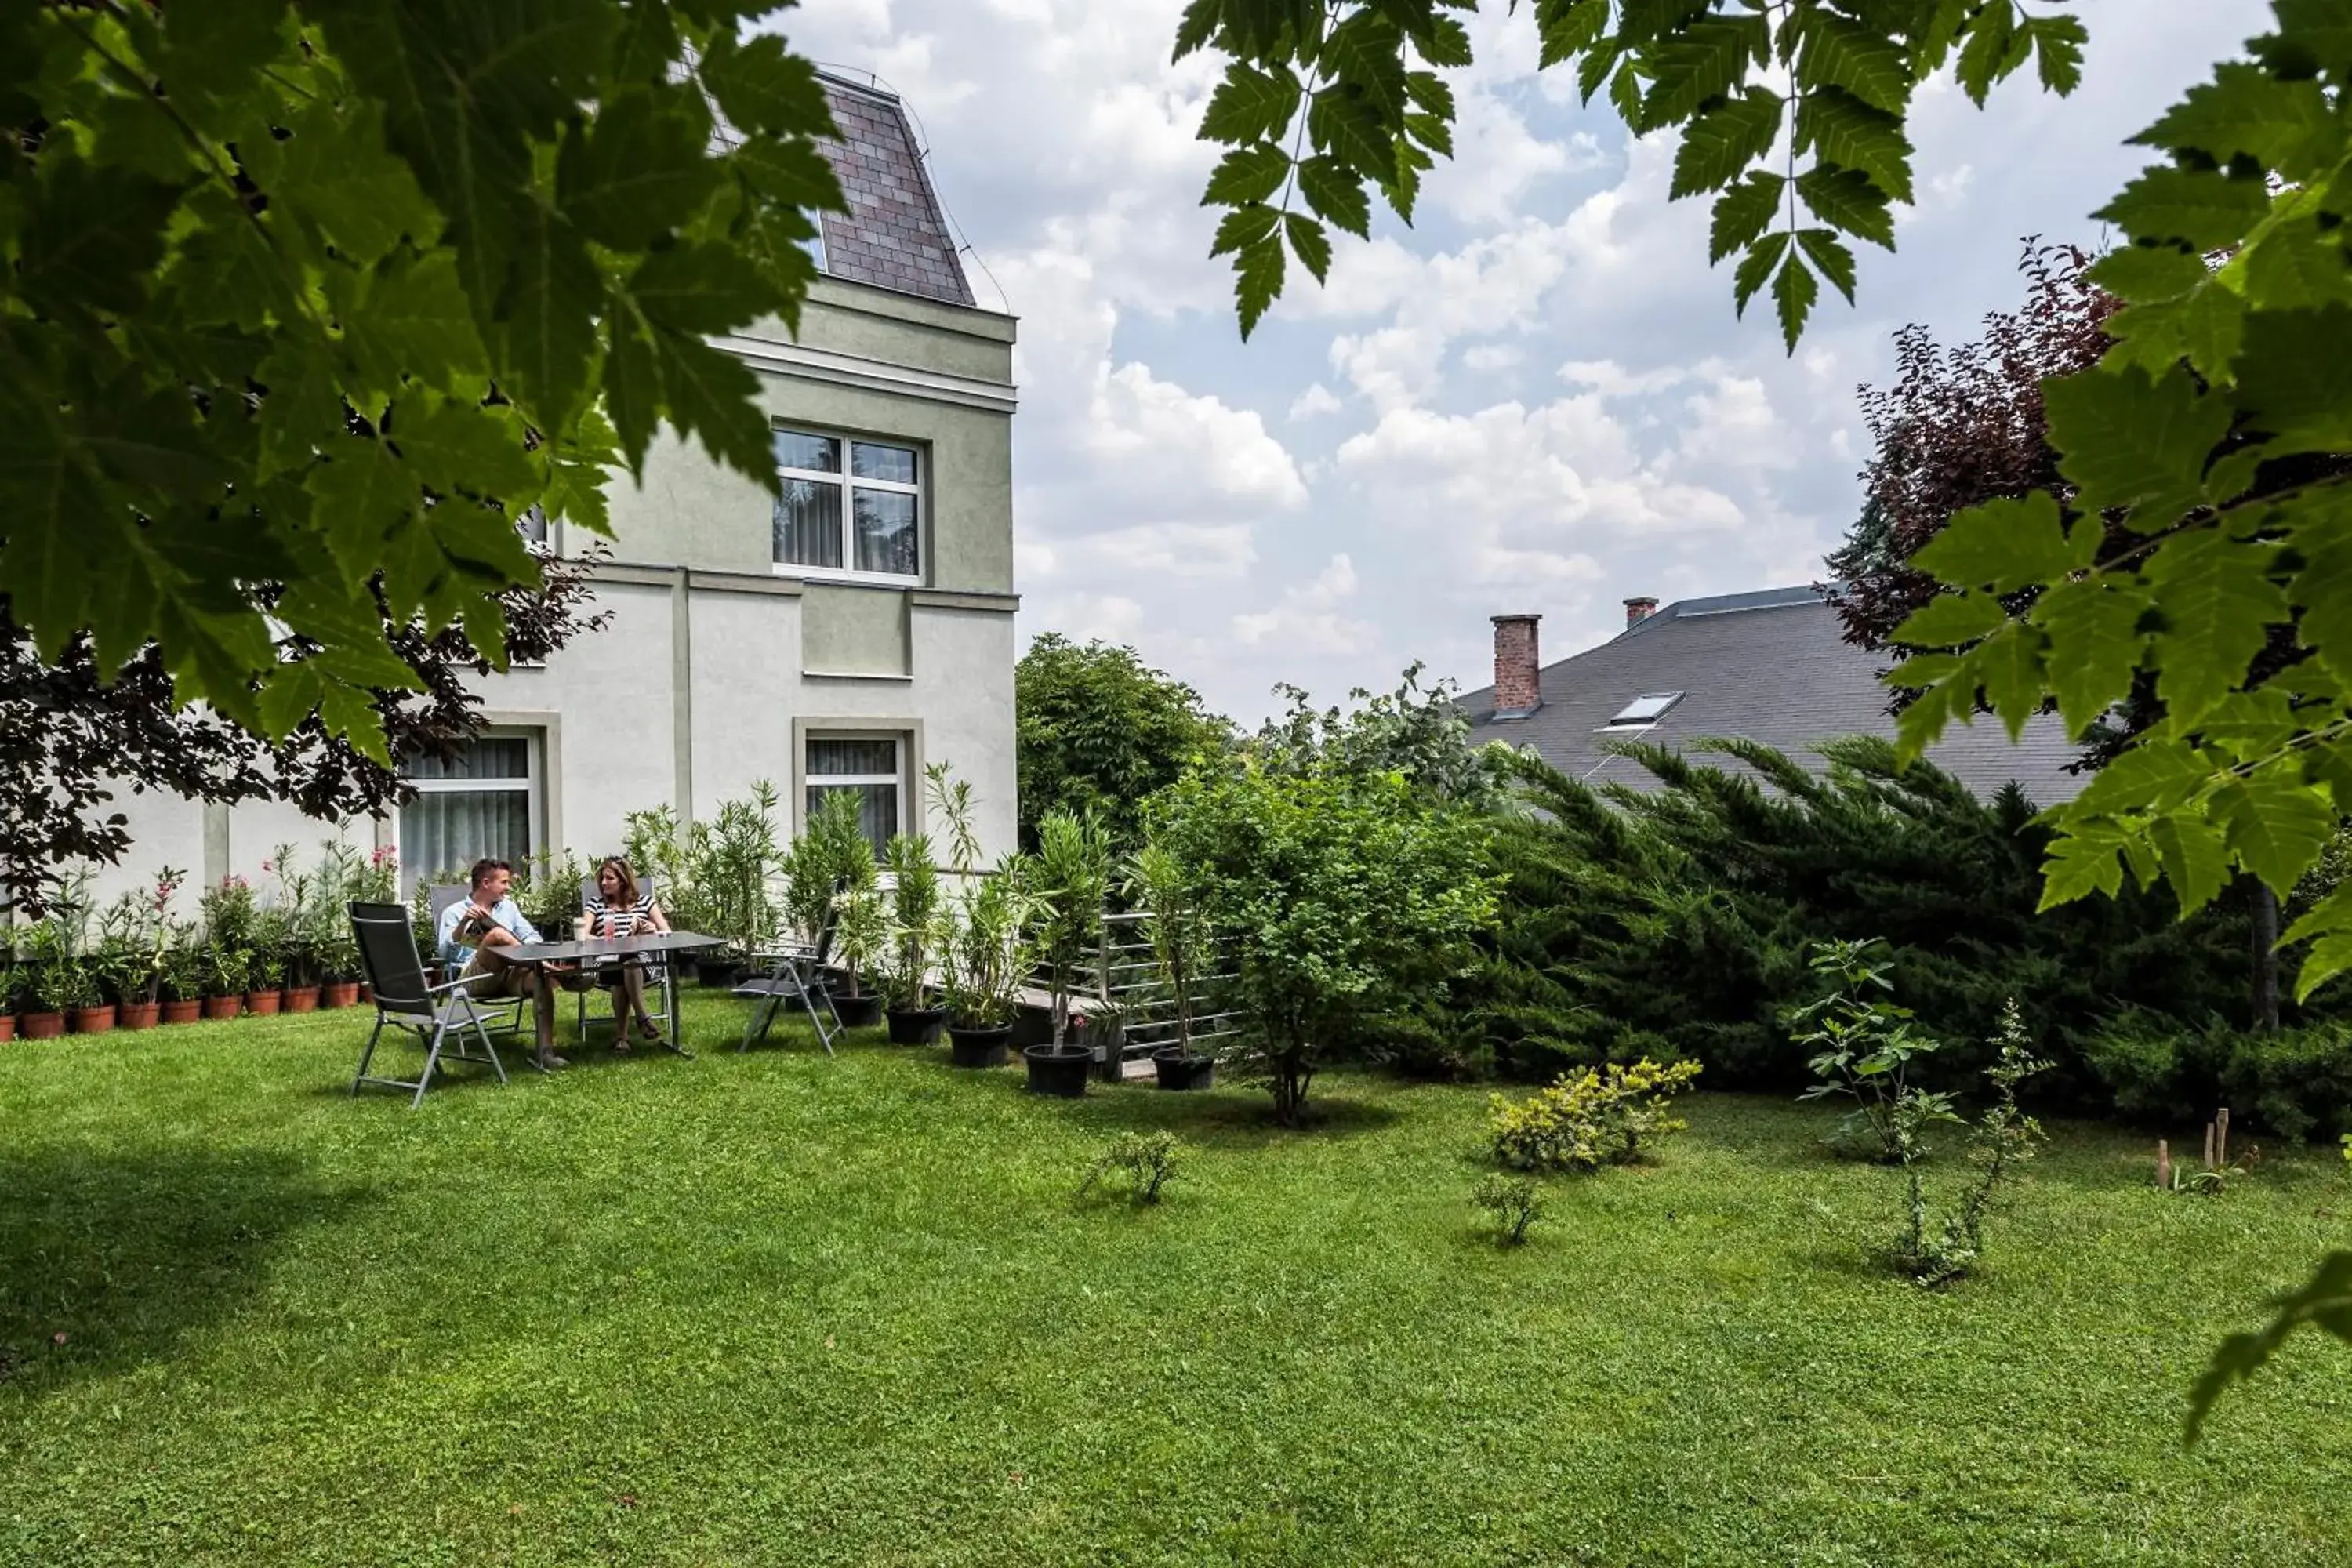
(1181, 946)
(12, 989)
(227, 969)
(181, 984)
(126, 980)
(1069, 877)
(987, 956)
(733, 856)
(915, 1019)
(862, 937)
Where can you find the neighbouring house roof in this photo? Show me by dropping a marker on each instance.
(1771, 667)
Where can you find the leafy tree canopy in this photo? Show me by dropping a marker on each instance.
(1416, 732)
(72, 732)
(1337, 896)
(303, 305)
(1791, 114)
(1099, 731)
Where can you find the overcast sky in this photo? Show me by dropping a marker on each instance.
(1538, 398)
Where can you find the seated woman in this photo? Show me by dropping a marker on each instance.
(620, 908)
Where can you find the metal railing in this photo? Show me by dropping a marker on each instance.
(1126, 977)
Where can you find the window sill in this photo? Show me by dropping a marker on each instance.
(850, 578)
(853, 675)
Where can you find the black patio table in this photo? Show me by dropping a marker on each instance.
(598, 950)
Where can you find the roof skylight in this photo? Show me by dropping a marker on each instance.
(1644, 711)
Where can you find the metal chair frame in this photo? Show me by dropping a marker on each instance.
(791, 971)
(406, 1000)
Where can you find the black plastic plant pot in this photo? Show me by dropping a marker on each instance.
(1179, 1072)
(857, 1012)
(980, 1047)
(917, 1026)
(1058, 1070)
(717, 974)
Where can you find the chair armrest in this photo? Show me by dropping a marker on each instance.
(450, 984)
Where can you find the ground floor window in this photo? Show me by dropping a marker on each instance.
(482, 802)
(870, 766)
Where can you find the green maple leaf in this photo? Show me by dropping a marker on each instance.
(2218, 603)
(2276, 824)
(2283, 125)
(1252, 173)
(1849, 132)
(2003, 545)
(1337, 195)
(2095, 644)
(1250, 105)
(1846, 199)
(2294, 377)
(1742, 212)
(2132, 441)
(1723, 141)
(2195, 207)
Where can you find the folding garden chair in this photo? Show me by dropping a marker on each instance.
(585, 980)
(507, 1010)
(440, 1016)
(791, 975)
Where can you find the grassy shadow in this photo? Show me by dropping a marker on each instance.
(123, 1253)
(1229, 1117)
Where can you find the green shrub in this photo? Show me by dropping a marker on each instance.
(2296, 1083)
(1863, 1046)
(1998, 1142)
(1590, 1119)
(1148, 1161)
(1514, 1201)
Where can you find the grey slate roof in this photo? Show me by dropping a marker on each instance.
(1768, 666)
(894, 235)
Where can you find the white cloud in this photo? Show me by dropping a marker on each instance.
(1309, 618)
(1158, 498)
(1313, 403)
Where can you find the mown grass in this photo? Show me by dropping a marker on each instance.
(778, 1308)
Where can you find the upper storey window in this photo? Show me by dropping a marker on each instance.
(848, 506)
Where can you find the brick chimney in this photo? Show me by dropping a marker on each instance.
(1640, 609)
(1516, 665)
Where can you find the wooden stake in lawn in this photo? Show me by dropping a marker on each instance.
(2163, 1166)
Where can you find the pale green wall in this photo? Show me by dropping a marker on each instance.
(691, 511)
(853, 631)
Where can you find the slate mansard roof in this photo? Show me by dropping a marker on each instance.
(1769, 667)
(894, 235)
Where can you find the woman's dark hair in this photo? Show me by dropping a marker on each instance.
(619, 868)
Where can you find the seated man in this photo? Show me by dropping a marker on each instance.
(473, 932)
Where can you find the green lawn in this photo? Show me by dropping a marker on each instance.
(778, 1308)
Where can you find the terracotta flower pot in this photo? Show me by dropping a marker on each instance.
(339, 994)
(97, 1020)
(301, 999)
(367, 992)
(223, 1007)
(8, 1026)
(41, 1025)
(261, 1004)
(139, 1015)
(186, 1010)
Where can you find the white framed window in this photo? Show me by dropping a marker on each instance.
(872, 766)
(850, 508)
(485, 802)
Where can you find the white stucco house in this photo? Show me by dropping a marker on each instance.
(842, 637)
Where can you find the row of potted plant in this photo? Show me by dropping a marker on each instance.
(135, 965)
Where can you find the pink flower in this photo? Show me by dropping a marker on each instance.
(265, 867)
